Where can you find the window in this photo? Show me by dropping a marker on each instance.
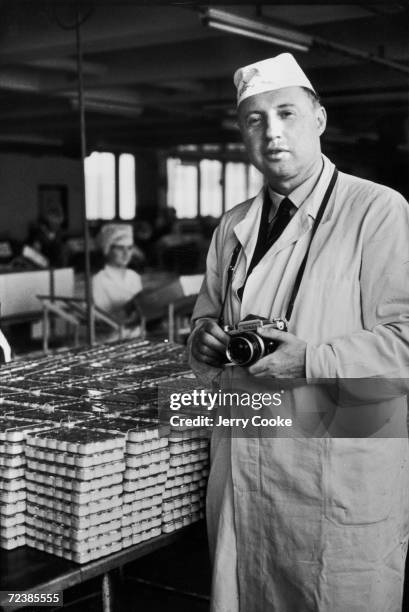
(100, 186)
(211, 193)
(243, 181)
(236, 184)
(102, 174)
(182, 187)
(127, 190)
(196, 187)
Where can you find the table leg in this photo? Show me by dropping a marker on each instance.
(107, 593)
(46, 330)
(171, 322)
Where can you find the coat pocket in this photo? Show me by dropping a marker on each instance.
(363, 479)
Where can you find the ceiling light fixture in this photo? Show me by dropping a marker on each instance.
(286, 37)
(256, 29)
(109, 107)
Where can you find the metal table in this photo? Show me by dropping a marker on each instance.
(27, 569)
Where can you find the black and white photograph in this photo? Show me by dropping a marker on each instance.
(204, 306)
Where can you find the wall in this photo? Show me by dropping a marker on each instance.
(147, 184)
(20, 176)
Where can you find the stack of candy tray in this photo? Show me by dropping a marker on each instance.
(184, 496)
(89, 469)
(146, 467)
(74, 492)
(13, 483)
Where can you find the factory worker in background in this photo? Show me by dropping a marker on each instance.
(46, 236)
(317, 520)
(115, 285)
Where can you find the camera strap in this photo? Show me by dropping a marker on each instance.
(317, 221)
(300, 273)
(230, 271)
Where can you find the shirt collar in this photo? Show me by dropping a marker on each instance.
(300, 194)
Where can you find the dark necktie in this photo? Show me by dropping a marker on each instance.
(268, 237)
(280, 222)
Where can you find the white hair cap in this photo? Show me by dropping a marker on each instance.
(115, 233)
(268, 75)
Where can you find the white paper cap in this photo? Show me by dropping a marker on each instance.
(115, 233)
(268, 75)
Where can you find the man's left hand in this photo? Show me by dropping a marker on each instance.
(287, 361)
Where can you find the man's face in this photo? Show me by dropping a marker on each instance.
(120, 255)
(281, 130)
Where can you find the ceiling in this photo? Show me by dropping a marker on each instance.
(156, 76)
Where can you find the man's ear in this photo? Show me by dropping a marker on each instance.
(321, 117)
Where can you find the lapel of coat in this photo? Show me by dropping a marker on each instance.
(299, 225)
(247, 229)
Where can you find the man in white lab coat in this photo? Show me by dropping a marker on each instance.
(315, 521)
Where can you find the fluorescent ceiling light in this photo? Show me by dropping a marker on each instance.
(109, 107)
(256, 29)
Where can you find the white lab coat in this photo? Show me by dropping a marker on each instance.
(113, 287)
(314, 522)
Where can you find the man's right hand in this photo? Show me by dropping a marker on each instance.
(209, 343)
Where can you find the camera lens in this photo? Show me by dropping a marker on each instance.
(244, 349)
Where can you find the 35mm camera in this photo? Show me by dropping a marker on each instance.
(246, 346)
